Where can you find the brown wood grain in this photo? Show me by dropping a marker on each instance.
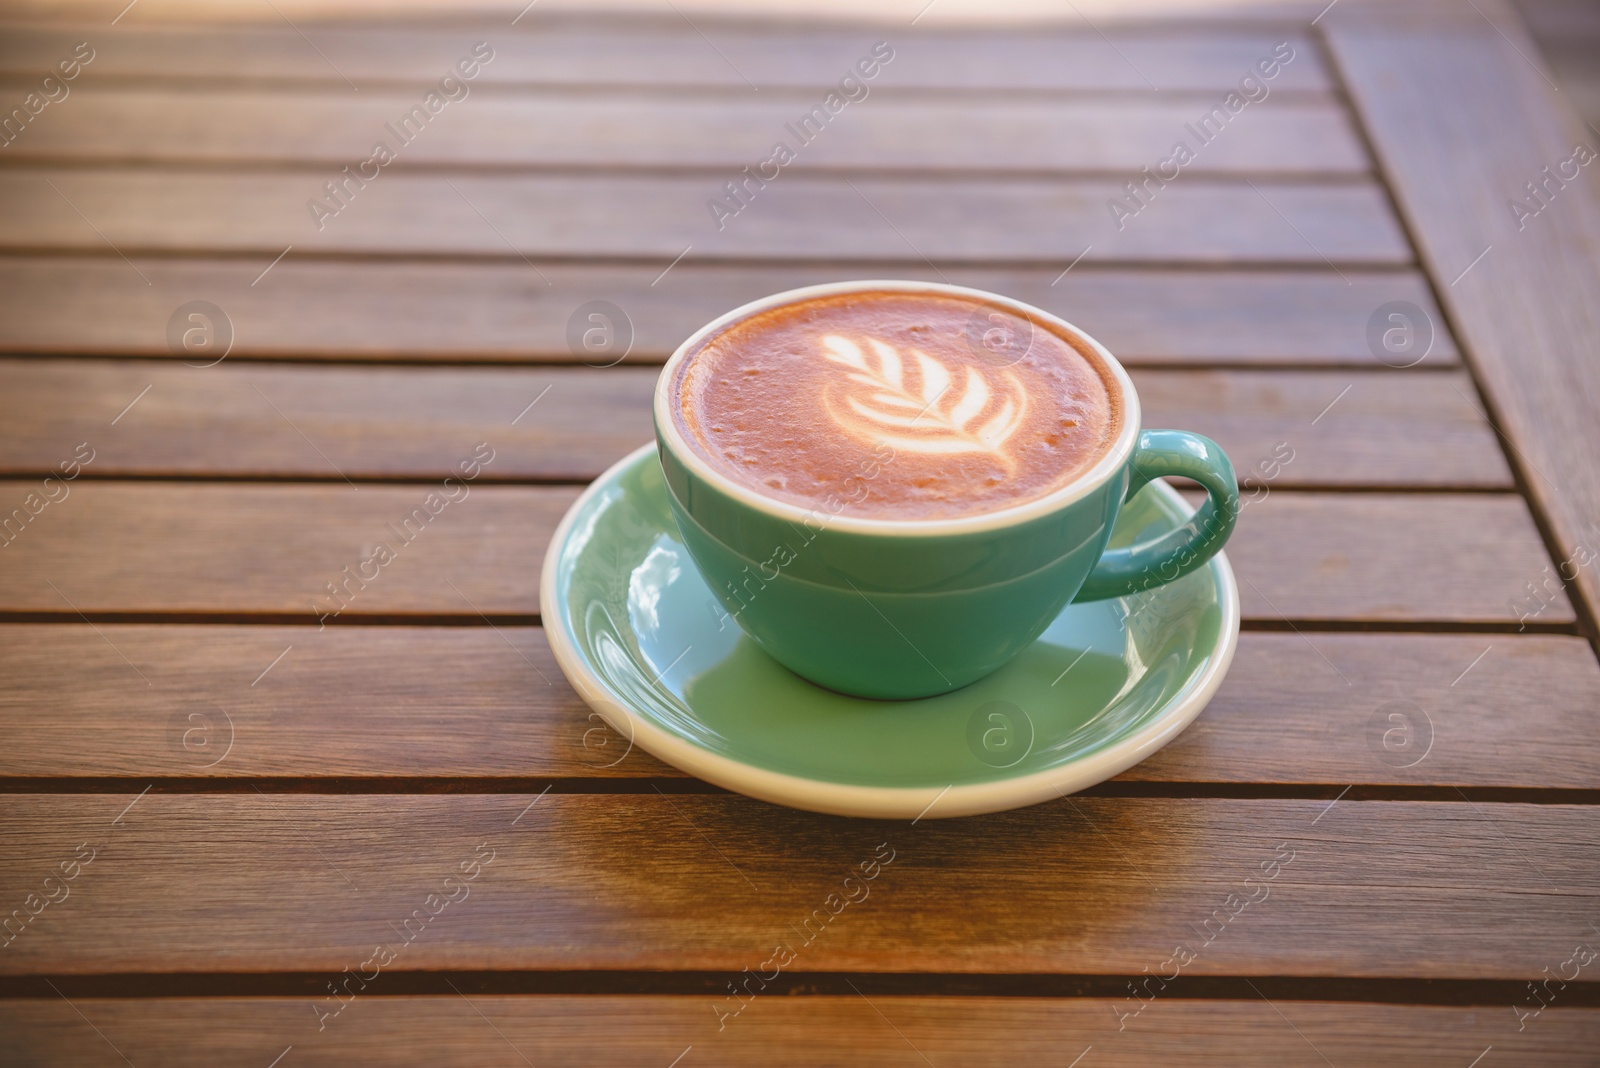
(1353, 428)
(499, 1031)
(1298, 555)
(664, 51)
(1454, 710)
(1341, 428)
(1530, 308)
(183, 165)
(244, 419)
(332, 127)
(228, 702)
(234, 549)
(1107, 886)
(276, 549)
(662, 217)
(431, 311)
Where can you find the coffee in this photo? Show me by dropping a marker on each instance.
(896, 405)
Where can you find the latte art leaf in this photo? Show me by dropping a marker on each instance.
(886, 403)
(930, 414)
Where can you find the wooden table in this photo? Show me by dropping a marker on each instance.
(218, 797)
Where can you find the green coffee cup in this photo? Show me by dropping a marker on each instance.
(905, 608)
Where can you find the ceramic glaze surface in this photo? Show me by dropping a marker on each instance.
(889, 607)
(638, 632)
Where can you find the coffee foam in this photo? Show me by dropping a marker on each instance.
(896, 405)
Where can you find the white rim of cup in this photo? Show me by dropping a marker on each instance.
(1102, 469)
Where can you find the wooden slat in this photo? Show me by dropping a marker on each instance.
(375, 421)
(353, 311)
(1568, 35)
(1319, 708)
(1530, 308)
(1384, 428)
(1340, 428)
(666, 51)
(659, 217)
(221, 702)
(1304, 556)
(244, 549)
(648, 1031)
(271, 549)
(1082, 886)
(333, 127)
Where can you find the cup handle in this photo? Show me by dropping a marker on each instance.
(1176, 553)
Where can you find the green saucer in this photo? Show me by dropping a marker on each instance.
(643, 641)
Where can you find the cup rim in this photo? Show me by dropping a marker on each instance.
(1095, 476)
